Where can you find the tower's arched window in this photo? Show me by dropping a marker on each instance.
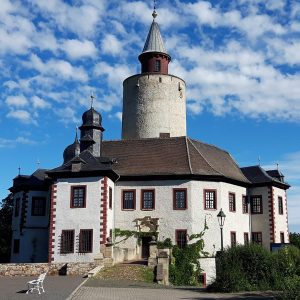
(157, 65)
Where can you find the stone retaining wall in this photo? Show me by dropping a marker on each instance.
(52, 269)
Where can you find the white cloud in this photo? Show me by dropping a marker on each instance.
(22, 116)
(115, 74)
(79, 49)
(60, 68)
(275, 4)
(254, 25)
(81, 20)
(67, 115)
(119, 115)
(39, 103)
(7, 143)
(111, 45)
(17, 101)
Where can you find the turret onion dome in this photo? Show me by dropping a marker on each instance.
(92, 118)
(72, 150)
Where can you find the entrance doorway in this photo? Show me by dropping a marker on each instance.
(145, 246)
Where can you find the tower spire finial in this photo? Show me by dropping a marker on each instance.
(76, 134)
(154, 14)
(92, 99)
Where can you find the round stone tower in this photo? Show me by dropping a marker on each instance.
(154, 102)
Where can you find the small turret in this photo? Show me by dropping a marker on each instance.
(91, 131)
(72, 150)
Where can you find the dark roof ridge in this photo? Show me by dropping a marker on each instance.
(262, 170)
(147, 139)
(204, 157)
(211, 145)
(188, 155)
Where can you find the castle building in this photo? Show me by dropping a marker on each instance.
(154, 180)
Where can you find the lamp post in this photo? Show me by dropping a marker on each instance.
(221, 219)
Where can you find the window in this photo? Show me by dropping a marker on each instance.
(17, 207)
(67, 241)
(245, 205)
(181, 238)
(110, 198)
(179, 199)
(256, 205)
(282, 237)
(147, 199)
(128, 200)
(78, 195)
(231, 202)
(233, 238)
(246, 238)
(16, 246)
(210, 199)
(86, 241)
(257, 238)
(280, 205)
(38, 206)
(157, 65)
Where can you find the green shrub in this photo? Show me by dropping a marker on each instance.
(291, 289)
(167, 243)
(287, 261)
(295, 239)
(185, 267)
(252, 267)
(243, 268)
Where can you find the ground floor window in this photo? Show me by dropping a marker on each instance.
(246, 238)
(67, 241)
(233, 238)
(257, 238)
(282, 237)
(181, 238)
(86, 241)
(16, 246)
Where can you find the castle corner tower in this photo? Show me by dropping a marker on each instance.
(154, 102)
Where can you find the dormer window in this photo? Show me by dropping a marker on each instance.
(157, 65)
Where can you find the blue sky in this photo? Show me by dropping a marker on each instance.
(240, 60)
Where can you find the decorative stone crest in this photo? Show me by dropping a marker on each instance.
(147, 224)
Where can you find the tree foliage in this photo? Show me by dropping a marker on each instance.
(295, 239)
(251, 267)
(6, 211)
(185, 267)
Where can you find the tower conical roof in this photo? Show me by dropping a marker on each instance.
(154, 42)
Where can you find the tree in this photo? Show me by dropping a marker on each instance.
(6, 211)
(295, 239)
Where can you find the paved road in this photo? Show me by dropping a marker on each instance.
(109, 293)
(101, 289)
(56, 287)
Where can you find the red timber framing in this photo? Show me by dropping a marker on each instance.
(271, 208)
(287, 240)
(52, 223)
(103, 210)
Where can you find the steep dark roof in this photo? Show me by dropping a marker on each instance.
(37, 181)
(84, 165)
(258, 176)
(171, 156)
